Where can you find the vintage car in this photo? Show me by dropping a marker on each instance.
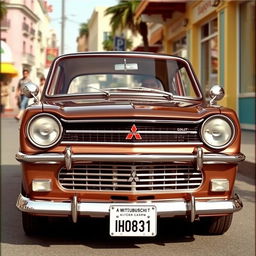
(130, 137)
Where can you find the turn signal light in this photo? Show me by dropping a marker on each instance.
(40, 185)
(219, 185)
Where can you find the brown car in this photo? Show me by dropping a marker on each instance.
(128, 136)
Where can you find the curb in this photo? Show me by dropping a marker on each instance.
(8, 114)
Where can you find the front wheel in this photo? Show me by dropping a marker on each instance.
(33, 225)
(214, 225)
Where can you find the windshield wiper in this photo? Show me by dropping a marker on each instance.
(106, 93)
(168, 95)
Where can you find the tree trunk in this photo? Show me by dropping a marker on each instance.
(144, 34)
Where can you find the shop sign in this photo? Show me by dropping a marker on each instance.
(202, 10)
(51, 54)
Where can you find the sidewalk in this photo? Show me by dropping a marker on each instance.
(248, 145)
(9, 114)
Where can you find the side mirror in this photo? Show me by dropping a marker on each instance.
(31, 90)
(216, 93)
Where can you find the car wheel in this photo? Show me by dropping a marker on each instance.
(33, 225)
(214, 225)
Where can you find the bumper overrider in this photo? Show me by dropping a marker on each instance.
(166, 208)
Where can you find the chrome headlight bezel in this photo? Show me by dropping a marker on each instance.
(228, 121)
(28, 131)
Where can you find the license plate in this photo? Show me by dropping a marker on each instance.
(133, 220)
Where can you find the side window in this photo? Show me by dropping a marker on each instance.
(55, 84)
(184, 83)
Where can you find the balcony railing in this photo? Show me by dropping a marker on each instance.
(32, 33)
(39, 35)
(25, 28)
(28, 59)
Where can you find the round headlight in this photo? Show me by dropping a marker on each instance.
(44, 130)
(217, 131)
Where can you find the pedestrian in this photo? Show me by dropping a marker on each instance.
(20, 97)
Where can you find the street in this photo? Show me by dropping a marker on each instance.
(90, 237)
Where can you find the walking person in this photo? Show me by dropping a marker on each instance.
(19, 94)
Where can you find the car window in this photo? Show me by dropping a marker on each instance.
(97, 82)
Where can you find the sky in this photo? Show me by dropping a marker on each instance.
(76, 12)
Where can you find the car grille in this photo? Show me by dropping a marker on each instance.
(117, 132)
(135, 177)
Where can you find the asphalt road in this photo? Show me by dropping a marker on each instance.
(90, 237)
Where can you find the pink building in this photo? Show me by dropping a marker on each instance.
(26, 30)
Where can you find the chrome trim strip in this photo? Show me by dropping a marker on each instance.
(166, 208)
(161, 121)
(194, 143)
(127, 131)
(50, 158)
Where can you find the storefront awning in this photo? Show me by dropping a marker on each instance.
(164, 7)
(9, 69)
(154, 48)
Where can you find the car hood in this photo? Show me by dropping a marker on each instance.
(74, 109)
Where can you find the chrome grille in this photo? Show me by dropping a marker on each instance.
(130, 177)
(116, 131)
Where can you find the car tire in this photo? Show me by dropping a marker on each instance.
(33, 225)
(214, 225)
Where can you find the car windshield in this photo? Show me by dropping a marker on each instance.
(81, 75)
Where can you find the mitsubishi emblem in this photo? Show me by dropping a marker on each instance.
(133, 133)
(133, 177)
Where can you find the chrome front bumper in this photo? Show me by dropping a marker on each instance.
(199, 158)
(167, 208)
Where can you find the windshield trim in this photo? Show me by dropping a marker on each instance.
(116, 96)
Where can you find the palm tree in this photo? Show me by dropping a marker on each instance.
(84, 30)
(123, 18)
(3, 9)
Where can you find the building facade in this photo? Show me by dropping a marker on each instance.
(218, 37)
(99, 29)
(26, 29)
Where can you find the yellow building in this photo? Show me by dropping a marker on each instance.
(218, 37)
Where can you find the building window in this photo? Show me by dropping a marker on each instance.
(106, 36)
(180, 47)
(247, 47)
(24, 47)
(209, 54)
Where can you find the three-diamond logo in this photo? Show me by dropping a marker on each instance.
(133, 133)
